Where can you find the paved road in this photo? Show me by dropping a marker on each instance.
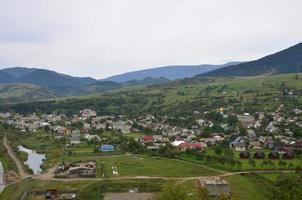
(18, 163)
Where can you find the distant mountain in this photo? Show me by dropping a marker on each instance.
(17, 72)
(4, 77)
(43, 77)
(286, 61)
(168, 72)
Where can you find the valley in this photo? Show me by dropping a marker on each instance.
(144, 124)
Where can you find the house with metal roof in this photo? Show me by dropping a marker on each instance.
(106, 148)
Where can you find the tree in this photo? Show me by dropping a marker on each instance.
(282, 164)
(218, 150)
(178, 192)
(172, 192)
(203, 194)
(232, 120)
(252, 162)
(223, 196)
(287, 188)
(297, 77)
(229, 153)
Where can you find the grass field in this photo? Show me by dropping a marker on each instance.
(245, 164)
(140, 165)
(250, 187)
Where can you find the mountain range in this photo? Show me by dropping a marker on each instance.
(168, 72)
(42, 77)
(282, 62)
(19, 84)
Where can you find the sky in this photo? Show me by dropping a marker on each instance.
(100, 38)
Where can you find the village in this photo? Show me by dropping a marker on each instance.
(241, 132)
(219, 138)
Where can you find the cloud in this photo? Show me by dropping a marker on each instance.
(104, 37)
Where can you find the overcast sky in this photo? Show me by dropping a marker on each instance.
(100, 38)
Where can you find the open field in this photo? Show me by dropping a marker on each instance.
(250, 187)
(139, 165)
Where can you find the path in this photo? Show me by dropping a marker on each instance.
(2, 183)
(47, 178)
(11, 154)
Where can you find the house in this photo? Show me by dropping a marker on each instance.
(89, 137)
(247, 120)
(76, 169)
(297, 111)
(255, 145)
(194, 146)
(87, 126)
(74, 140)
(158, 138)
(106, 148)
(147, 139)
(239, 146)
(216, 187)
(210, 141)
(121, 126)
(177, 143)
(60, 130)
(87, 113)
(75, 132)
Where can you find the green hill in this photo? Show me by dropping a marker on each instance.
(286, 61)
(181, 98)
(16, 93)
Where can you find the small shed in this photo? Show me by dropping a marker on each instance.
(259, 155)
(274, 155)
(288, 155)
(245, 155)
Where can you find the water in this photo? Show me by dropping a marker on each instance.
(34, 160)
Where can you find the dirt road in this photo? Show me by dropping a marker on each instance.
(18, 163)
